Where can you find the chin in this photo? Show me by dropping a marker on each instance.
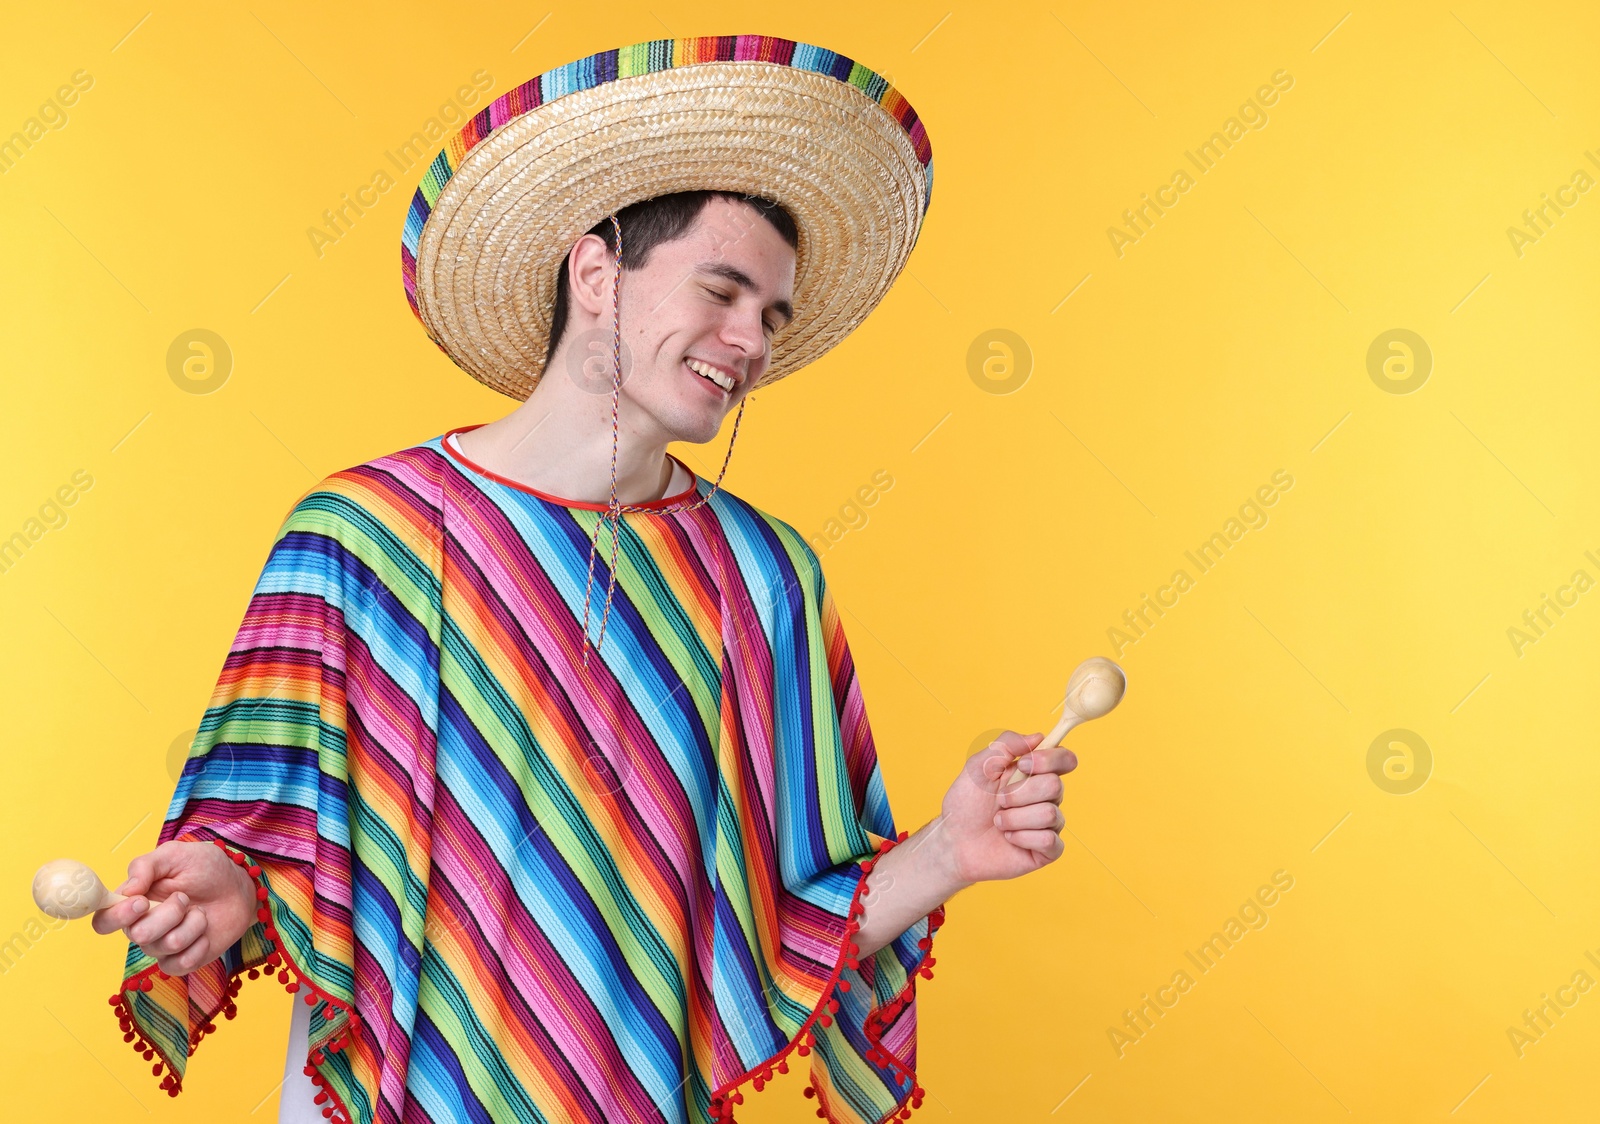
(696, 424)
(700, 434)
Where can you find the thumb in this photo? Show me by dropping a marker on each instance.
(1030, 742)
(991, 761)
(1020, 745)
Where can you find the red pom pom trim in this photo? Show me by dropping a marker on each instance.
(723, 1100)
(276, 960)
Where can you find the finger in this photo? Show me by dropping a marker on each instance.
(1046, 787)
(1055, 760)
(141, 872)
(159, 920)
(1043, 815)
(1046, 842)
(120, 916)
(198, 953)
(145, 869)
(180, 936)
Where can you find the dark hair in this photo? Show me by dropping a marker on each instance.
(650, 222)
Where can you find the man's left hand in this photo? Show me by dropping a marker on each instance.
(994, 833)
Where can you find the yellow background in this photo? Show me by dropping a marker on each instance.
(1230, 342)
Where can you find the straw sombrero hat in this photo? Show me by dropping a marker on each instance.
(501, 205)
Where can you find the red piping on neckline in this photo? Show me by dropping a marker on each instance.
(721, 1101)
(333, 1108)
(665, 501)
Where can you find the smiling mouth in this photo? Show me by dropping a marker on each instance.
(712, 375)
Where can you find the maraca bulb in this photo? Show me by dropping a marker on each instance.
(1097, 697)
(1096, 687)
(68, 889)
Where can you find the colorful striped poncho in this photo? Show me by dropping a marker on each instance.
(517, 890)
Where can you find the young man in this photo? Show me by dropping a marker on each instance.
(521, 873)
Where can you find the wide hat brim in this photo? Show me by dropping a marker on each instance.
(499, 208)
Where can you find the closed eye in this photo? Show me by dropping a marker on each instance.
(771, 328)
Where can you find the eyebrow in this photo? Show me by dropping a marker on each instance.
(742, 279)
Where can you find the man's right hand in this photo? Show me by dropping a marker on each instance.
(186, 904)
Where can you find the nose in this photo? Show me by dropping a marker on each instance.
(745, 331)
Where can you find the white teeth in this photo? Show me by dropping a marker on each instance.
(711, 373)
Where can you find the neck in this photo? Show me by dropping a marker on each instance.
(559, 442)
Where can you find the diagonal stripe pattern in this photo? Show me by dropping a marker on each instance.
(516, 889)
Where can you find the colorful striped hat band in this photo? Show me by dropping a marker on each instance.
(500, 207)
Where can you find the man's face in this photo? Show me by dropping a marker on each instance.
(716, 296)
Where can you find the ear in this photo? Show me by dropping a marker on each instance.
(589, 267)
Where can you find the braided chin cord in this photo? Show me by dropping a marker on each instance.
(614, 510)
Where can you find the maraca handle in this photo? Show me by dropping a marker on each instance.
(1009, 777)
(1069, 719)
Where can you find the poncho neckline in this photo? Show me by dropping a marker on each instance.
(468, 463)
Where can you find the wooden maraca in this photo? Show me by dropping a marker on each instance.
(1094, 690)
(69, 889)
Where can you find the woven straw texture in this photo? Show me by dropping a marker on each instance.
(502, 204)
